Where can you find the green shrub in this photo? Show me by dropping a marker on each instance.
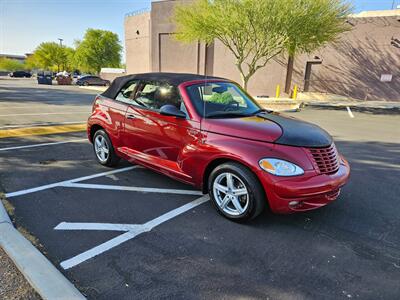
(224, 98)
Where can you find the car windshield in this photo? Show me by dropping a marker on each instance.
(221, 100)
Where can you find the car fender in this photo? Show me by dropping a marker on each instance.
(101, 118)
(196, 159)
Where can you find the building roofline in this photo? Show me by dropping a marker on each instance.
(138, 12)
(377, 13)
(16, 56)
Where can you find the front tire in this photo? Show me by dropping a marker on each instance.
(104, 150)
(236, 192)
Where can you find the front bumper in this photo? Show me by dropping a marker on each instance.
(302, 193)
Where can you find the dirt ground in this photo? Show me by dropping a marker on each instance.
(12, 284)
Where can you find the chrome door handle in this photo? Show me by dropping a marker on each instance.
(130, 116)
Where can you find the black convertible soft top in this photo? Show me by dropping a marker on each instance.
(171, 78)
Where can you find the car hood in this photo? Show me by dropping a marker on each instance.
(272, 128)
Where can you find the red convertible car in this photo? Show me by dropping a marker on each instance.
(208, 132)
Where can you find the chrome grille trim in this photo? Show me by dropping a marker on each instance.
(325, 160)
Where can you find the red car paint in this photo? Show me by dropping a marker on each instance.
(190, 150)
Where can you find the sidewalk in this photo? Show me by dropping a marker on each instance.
(330, 101)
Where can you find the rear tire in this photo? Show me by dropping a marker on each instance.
(104, 150)
(236, 192)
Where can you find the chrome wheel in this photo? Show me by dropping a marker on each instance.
(230, 194)
(101, 148)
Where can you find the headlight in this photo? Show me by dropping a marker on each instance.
(280, 167)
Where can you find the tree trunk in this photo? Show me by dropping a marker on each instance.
(245, 83)
(289, 74)
(245, 79)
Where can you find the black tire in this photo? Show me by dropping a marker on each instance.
(256, 194)
(112, 159)
(85, 83)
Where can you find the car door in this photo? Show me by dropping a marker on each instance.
(115, 110)
(156, 139)
(99, 81)
(94, 80)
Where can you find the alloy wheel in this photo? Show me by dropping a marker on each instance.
(230, 194)
(101, 148)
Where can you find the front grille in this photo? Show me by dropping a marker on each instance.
(326, 160)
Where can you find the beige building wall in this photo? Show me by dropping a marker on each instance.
(353, 66)
(137, 43)
(263, 83)
(167, 54)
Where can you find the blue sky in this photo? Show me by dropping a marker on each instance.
(26, 23)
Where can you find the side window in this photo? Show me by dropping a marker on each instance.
(154, 95)
(126, 94)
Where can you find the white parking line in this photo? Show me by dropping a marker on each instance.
(350, 112)
(95, 226)
(61, 183)
(131, 188)
(41, 145)
(45, 114)
(132, 230)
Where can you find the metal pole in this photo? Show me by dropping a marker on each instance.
(61, 40)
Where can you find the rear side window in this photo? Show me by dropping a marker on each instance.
(127, 93)
(154, 95)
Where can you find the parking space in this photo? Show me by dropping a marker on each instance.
(25, 103)
(130, 233)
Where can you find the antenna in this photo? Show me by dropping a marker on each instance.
(202, 96)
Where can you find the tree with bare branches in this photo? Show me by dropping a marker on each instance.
(250, 29)
(257, 31)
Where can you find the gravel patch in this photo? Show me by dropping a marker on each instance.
(13, 285)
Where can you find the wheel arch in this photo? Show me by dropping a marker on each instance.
(215, 163)
(93, 129)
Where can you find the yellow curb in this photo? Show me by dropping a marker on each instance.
(41, 130)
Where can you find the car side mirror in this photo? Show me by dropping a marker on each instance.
(171, 110)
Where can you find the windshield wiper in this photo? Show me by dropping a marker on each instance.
(260, 111)
(225, 114)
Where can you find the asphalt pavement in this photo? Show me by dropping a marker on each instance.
(25, 103)
(129, 233)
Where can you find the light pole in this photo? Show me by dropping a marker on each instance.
(61, 40)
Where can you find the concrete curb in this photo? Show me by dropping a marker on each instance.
(41, 130)
(4, 218)
(357, 108)
(40, 273)
(94, 88)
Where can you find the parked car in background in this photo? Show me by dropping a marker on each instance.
(208, 132)
(45, 77)
(20, 74)
(92, 80)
